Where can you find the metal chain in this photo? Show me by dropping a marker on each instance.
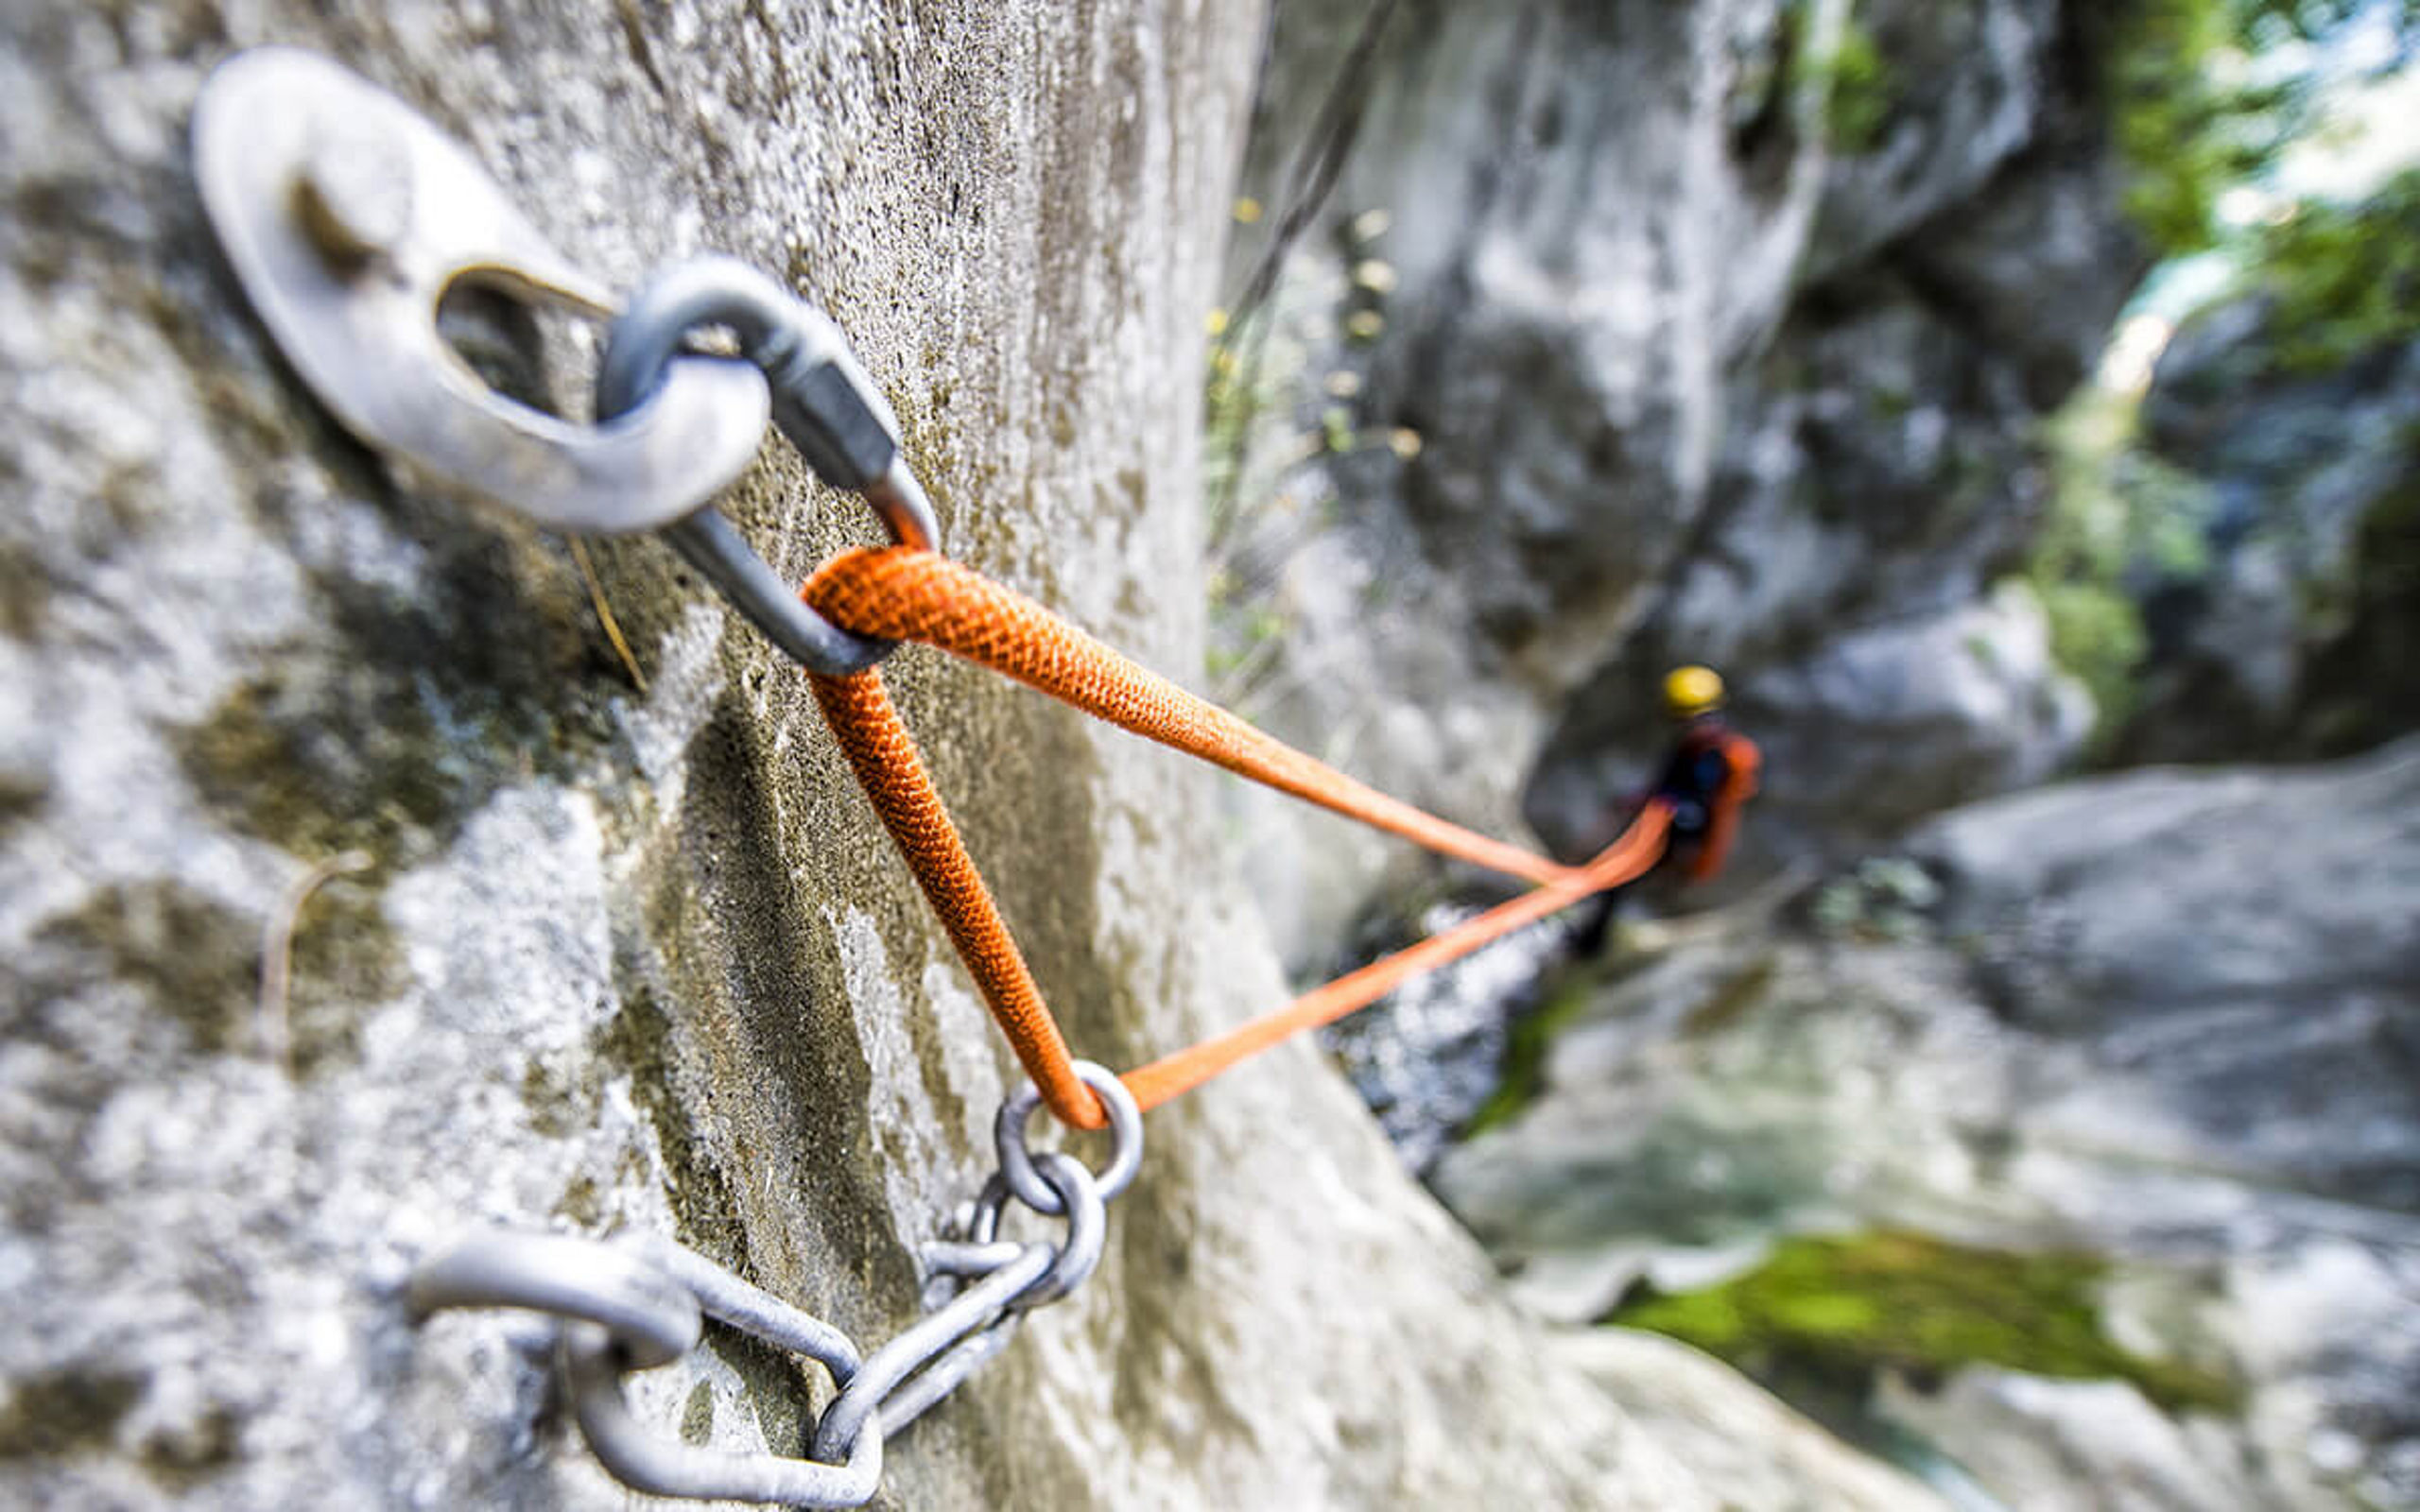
(639, 1302)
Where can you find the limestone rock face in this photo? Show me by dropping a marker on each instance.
(2128, 914)
(624, 958)
(1715, 350)
(2166, 1019)
(2294, 637)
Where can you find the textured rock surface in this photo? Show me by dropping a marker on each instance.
(2297, 636)
(2168, 1019)
(1698, 374)
(626, 960)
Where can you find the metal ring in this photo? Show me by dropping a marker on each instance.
(661, 1467)
(651, 1316)
(1125, 1126)
(1079, 1253)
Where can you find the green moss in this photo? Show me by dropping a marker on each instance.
(1731, 1002)
(638, 1038)
(315, 768)
(199, 962)
(391, 732)
(1523, 1074)
(698, 1415)
(22, 796)
(583, 1202)
(25, 590)
(65, 1412)
(191, 957)
(182, 1457)
(345, 957)
(557, 1108)
(775, 1384)
(1837, 1312)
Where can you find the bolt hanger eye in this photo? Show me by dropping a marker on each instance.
(347, 214)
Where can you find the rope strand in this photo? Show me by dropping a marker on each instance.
(905, 593)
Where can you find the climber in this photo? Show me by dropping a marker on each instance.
(1709, 776)
(1707, 780)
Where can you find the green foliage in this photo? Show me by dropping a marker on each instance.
(2194, 118)
(2186, 124)
(2097, 635)
(1839, 1311)
(1857, 91)
(1842, 88)
(2116, 511)
(1523, 1074)
(2266, 22)
(2344, 278)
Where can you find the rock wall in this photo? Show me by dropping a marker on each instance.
(1724, 330)
(637, 959)
(2160, 1026)
(2293, 636)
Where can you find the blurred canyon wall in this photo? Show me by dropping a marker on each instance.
(638, 958)
(1710, 333)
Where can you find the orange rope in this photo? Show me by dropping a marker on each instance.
(906, 593)
(1173, 1075)
(903, 593)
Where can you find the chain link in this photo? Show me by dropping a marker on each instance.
(636, 1305)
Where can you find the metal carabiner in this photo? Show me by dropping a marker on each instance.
(822, 400)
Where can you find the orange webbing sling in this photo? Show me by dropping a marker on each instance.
(905, 593)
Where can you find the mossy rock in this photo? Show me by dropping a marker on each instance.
(1839, 1312)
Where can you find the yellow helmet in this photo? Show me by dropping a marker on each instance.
(1689, 691)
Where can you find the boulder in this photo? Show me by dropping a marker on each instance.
(2244, 939)
(2291, 633)
(2147, 1036)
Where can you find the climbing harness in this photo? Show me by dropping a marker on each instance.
(349, 217)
